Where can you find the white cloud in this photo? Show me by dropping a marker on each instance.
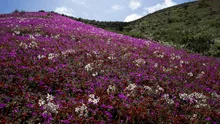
(116, 7)
(80, 2)
(134, 4)
(132, 17)
(64, 10)
(165, 4)
(85, 14)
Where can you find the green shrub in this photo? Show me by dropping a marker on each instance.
(215, 48)
(200, 43)
(203, 4)
(41, 11)
(16, 11)
(22, 12)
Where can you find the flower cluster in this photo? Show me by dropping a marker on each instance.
(190, 74)
(82, 111)
(158, 54)
(159, 90)
(93, 99)
(111, 57)
(89, 67)
(48, 107)
(139, 62)
(200, 74)
(41, 56)
(67, 52)
(195, 98)
(167, 98)
(32, 44)
(52, 55)
(130, 88)
(148, 88)
(175, 57)
(111, 89)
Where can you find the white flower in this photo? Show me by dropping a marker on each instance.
(175, 67)
(166, 69)
(111, 88)
(41, 56)
(17, 32)
(166, 96)
(190, 74)
(173, 56)
(52, 55)
(147, 43)
(92, 99)
(57, 36)
(156, 65)
(89, 67)
(194, 116)
(23, 45)
(111, 57)
(33, 44)
(77, 109)
(195, 98)
(201, 105)
(95, 101)
(82, 110)
(131, 87)
(37, 35)
(155, 52)
(140, 62)
(41, 102)
(92, 96)
(49, 97)
(147, 88)
(69, 51)
(181, 61)
(50, 107)
(200, 75)
(127, 55)
(183, 96)
(168, 100)
(178, 57)
(95, 74)
(216, 95)
(32, 37)
(159, 89)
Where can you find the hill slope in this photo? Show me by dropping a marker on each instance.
(194, 26)
(57, 70)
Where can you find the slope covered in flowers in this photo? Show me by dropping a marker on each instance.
(57, 70)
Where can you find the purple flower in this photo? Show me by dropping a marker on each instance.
(30, 105)
(109, 114)
(2, 105)
(122, 96)
(65, 121)
(208, 119)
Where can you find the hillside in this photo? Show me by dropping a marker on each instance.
(57, 70)
(194, 26)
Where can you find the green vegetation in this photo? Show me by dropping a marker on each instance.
(194, 26)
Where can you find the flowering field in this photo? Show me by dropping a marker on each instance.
(57, 70)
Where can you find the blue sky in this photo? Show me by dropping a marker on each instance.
(102, 10)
